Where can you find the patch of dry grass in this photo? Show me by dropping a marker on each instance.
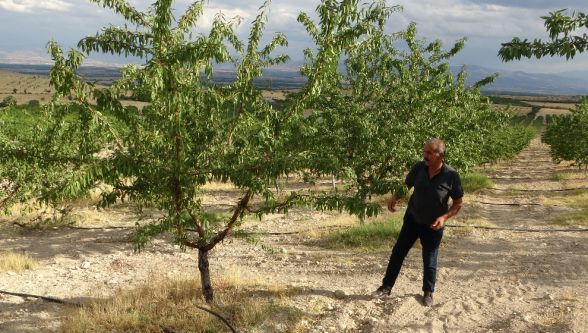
(553, 105)
(576, 199)
(480, 222)
(218, 186)
(545, 99)
(569, 175)
(512, 109)
(332, 222)
(247, 304)
(374, 234)
(577, 218)
(465, 227)
(16, 262)
(552, 112)
(475, 181)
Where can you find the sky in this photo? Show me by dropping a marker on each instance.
(27, 26)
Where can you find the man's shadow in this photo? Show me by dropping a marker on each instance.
(357, 297)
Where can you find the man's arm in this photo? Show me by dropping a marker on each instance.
(392, 203)
(409, 183)
(454, 209)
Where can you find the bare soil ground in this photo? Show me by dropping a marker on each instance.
(514, 110)
(552, 112)
(556, 99)
(489, 280)
(24, 87)
(552, 105)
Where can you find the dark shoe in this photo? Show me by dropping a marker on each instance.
(428, 298)
(382, 291)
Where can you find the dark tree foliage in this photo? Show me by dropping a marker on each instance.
(566, 38)
(568, 135)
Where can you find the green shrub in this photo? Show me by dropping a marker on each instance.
(507, 142)
(370, 235)
(568, 135)
(34, 103)
(8, 101)
(474, 181)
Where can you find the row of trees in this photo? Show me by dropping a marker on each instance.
(567, 135)
(365, 125)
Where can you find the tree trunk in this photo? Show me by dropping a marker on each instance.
(362, 216)
(203, 267)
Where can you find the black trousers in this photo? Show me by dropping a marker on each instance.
(430, 241)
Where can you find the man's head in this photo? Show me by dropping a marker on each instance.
(434, 152)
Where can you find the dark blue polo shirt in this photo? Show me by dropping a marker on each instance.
(430, 196)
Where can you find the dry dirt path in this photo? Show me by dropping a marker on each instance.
(489, 280)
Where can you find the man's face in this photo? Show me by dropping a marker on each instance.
(431, 156)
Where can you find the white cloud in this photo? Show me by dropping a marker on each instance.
(451, 19)
(29, 56)
(486, 23)
(28, 6)
(205, 21)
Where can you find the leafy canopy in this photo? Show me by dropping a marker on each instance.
(568, 135)
(369, 124)
(565, 33)
(364, 125)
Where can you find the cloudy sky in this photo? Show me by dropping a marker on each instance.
(27, 25)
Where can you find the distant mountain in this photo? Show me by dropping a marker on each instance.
(104, 75)
(287, 76)
(512, 82)
(581, 75)
(519, 82)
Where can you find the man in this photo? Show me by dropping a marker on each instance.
(434, 183)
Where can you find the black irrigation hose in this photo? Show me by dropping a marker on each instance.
(505, 204)
(277, 233)
(341, 227)
(168, 330)
(44, 298)
(512, 178)
(22, 225)
(219, 317)
(244, 232)
(61, 301)
(452, 226)
(516, 229)
(338, 227)
(98, 228)
(538, 190)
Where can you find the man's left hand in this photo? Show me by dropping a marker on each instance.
(439, 223)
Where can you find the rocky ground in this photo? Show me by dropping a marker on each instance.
(532, 279)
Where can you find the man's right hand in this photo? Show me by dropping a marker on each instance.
(392, 203)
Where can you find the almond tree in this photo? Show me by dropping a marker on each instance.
(363, 127)
(566, 135)
(370, 123)
(192, 131)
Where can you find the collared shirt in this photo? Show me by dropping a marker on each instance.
(430, 196)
